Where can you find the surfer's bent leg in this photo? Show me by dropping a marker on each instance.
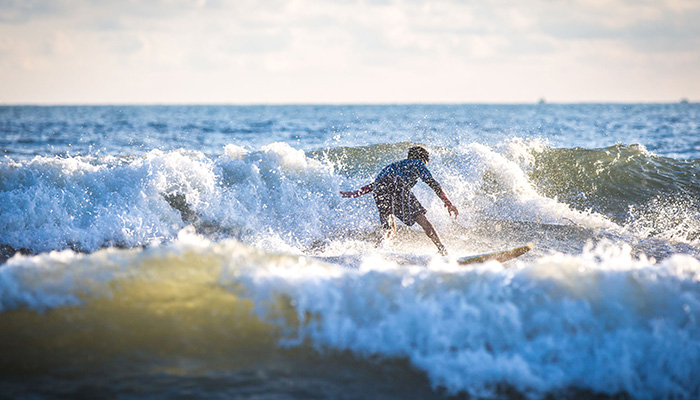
(388, 225)
(431, 233)
(384, 197)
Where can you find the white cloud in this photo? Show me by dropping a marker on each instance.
(360, 51)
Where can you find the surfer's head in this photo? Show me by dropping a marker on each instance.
(418, 153)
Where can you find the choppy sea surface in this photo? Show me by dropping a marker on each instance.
(204, 252)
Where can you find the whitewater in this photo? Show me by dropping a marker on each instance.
(205, 251)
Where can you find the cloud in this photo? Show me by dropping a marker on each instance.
(21, 11)
(382, 46)
(262, 42)
(642, 25)
(670, 33)
(123, 44)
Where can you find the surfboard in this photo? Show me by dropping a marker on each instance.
(500, 256)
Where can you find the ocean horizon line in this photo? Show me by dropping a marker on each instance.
(343, 104)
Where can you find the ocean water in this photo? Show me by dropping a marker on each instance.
(204, 252)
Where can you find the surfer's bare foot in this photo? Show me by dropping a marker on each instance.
(386, 234)
(442, 251)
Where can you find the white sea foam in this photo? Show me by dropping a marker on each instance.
(603, 321)
(275, 194)
(54, 203)
(277, 190)
(88, 203)
(512, 195)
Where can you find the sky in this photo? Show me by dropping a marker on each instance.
(348, 51)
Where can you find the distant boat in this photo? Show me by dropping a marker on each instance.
(684, 101)
(542, 101)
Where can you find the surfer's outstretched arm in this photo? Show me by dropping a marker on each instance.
(451, 209)
(440, 192)
(357, 193)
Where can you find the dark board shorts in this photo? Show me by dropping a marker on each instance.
(393, 197)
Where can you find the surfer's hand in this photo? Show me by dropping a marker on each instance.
(453, 210)
(357, 193)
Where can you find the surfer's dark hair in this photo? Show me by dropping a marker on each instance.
(419, 153)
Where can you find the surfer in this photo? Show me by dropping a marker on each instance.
(393, 196)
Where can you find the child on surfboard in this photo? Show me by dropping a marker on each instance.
(393, 196)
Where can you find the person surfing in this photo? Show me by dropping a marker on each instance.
(393, 195)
